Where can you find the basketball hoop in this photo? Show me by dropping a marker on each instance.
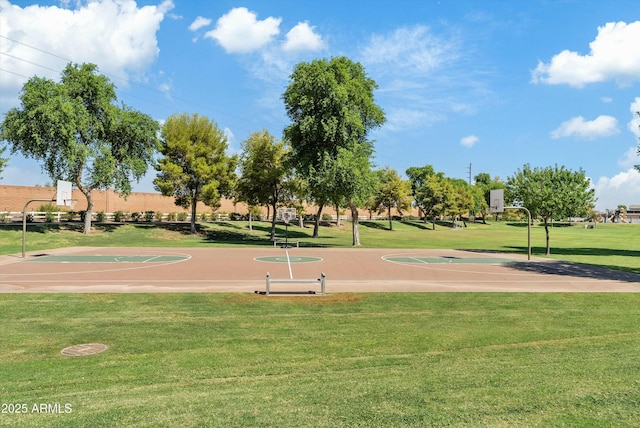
(71, 203)
(286, 217)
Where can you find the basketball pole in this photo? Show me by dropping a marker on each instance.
(24, 222)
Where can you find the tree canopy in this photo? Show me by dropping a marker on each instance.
(3, 161)
(550, 193)
(263, 174)
(79, 133)
(392, 192)
(332, 109)
(195, 166)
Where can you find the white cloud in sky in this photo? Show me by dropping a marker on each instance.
(198, 23)
(469, 141)
(240, 31)
(602, 126)
(117, 35)
(634, 123)
(623, 188)
(413, 50)
(303, 37)
(630, 158)
(614, 55)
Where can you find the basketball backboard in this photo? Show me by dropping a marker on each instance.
(63, 193)
(496, 201)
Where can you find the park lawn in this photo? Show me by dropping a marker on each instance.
(369, 360)
(614, 246)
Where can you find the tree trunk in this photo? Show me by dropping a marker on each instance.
(316, 226)
(390, 219)
(250, 218)
(193, 215)
(337, 216)
(354, 224)
(88, 213)
(546, 231)
(273, 223)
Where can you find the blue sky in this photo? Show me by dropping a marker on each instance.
(480, 85)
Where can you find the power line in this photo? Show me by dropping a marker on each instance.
(125, 80)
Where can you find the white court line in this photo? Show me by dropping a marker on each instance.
(154, 257)
(289, 263)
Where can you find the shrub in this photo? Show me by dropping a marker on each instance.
(235, 217)
(101, 217)
(159, 216)
(118, 216)
(182, 216)
(326, 217)
(204, 216)
(149, 215)
(70, 215)
(135, 216)
(4, 216)
(172, 216)
(30, 218)
(83, 214)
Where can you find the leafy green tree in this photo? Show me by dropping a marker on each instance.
(355, 180)
(392, 192)
(432, 191)
(195, 167)
(551, 193)
(75, 128)
(331, 106)
(263, 173)
(3, 161)
(484, 184)
(461, 199)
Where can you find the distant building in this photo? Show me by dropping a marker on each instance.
(633, 214)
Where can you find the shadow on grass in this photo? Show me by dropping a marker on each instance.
(375, 224)
(419, 224)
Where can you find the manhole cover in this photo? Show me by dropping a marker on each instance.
(84, 349)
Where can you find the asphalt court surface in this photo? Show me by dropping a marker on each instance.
(84, 269)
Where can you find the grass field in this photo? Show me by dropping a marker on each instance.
(614, 246)
(347, 360)
(343, 360)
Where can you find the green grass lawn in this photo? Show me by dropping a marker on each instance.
(615, 246)
(344, 360)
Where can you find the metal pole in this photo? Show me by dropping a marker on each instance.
(24, 222)
(528, 229)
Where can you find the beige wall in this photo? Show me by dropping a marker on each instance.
(13, 198)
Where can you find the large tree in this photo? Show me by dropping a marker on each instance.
(79, 133)
(551, 193)
(392, 192)
(263, 174)
(432, 191)
(331, 107)
(3, 161)
(195, 167)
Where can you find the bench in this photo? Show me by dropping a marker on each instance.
(270, 281)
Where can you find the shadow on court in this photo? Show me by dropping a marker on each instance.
(575, 270)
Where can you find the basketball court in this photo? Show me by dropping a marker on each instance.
(91, 270)
(289, 270)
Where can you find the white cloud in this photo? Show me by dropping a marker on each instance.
(602, 126)
(302, 37)
(239, 31)
(198, 23)
(117, 35)
(614, 55)
(634, 123)
(606, 100)
(414, 50)
(621, 189)
(629, 158)
(469, 141)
